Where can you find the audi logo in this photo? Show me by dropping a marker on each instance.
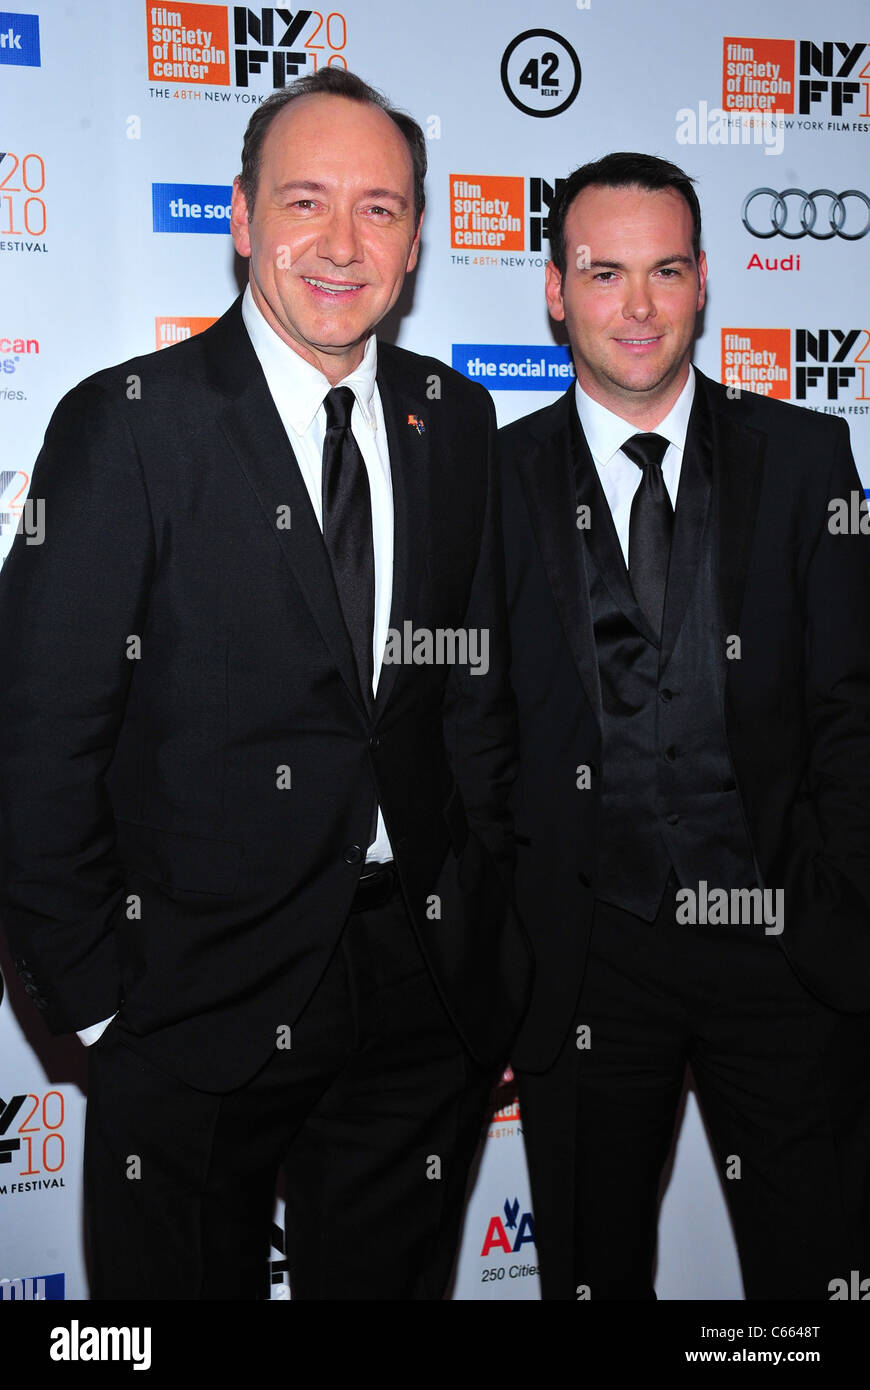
(832, 216)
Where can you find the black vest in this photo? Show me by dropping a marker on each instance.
(667, 793)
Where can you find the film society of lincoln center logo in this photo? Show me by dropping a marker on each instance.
(799, 77)
(540, 72)
(222, 46)
(495, 212)
(176, 328)
(820, 367)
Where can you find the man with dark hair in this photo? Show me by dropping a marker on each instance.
(621, 170)
(691, 658)
(256, 861)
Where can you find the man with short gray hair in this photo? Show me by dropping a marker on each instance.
(261, 868)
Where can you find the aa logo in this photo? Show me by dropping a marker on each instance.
(511, 1234)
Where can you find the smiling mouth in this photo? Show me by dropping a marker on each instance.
(331, 287)
(638, 342)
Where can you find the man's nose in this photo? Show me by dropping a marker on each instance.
(339, 240)
(638, 301)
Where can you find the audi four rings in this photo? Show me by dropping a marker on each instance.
(833, 221)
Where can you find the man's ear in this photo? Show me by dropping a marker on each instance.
(553, 289)
(702, 279)
(239, 220)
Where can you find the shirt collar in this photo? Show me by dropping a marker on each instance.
(296, 384)
(606, 433)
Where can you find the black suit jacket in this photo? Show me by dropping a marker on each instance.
(797, 700)
(157, 772)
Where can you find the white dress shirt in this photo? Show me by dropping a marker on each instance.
(620, 478)
(298, 390)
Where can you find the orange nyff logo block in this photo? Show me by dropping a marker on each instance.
(173, 329)
(188, 43)
(758, 359)
(487, 212)
(758, 74)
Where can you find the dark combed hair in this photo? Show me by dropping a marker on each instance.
(620, 170)
(329, 81)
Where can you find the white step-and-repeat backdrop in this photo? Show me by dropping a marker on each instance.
(121, 124)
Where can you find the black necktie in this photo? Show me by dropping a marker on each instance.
(650, 527)
(347, 530)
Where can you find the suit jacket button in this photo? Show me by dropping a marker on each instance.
(584, 880)
(30, 988)
(672, 818)
(353, 854)
(670, 755)
(27, 976)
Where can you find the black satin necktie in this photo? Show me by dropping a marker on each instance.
(347, 530)
(650, 528)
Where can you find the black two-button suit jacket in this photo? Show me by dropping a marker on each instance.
(157, 773)
(796, 700)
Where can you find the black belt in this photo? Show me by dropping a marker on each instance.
(377, 885)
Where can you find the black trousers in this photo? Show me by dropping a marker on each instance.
(784, 1086)
(374, 1112)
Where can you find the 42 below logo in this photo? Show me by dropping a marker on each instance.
(511, 1234)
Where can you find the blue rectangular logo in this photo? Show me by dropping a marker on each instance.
(191, 207)
(511, 367)
(19, 39)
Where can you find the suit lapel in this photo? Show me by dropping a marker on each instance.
(253, 429)
(547, 473)
(738, 469)
(410, 466)
(690, 527)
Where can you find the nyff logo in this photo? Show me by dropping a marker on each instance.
(823, 363)
(827, 77)
(211, 46)
(19, 40)
(494, 212)
(818, 365)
